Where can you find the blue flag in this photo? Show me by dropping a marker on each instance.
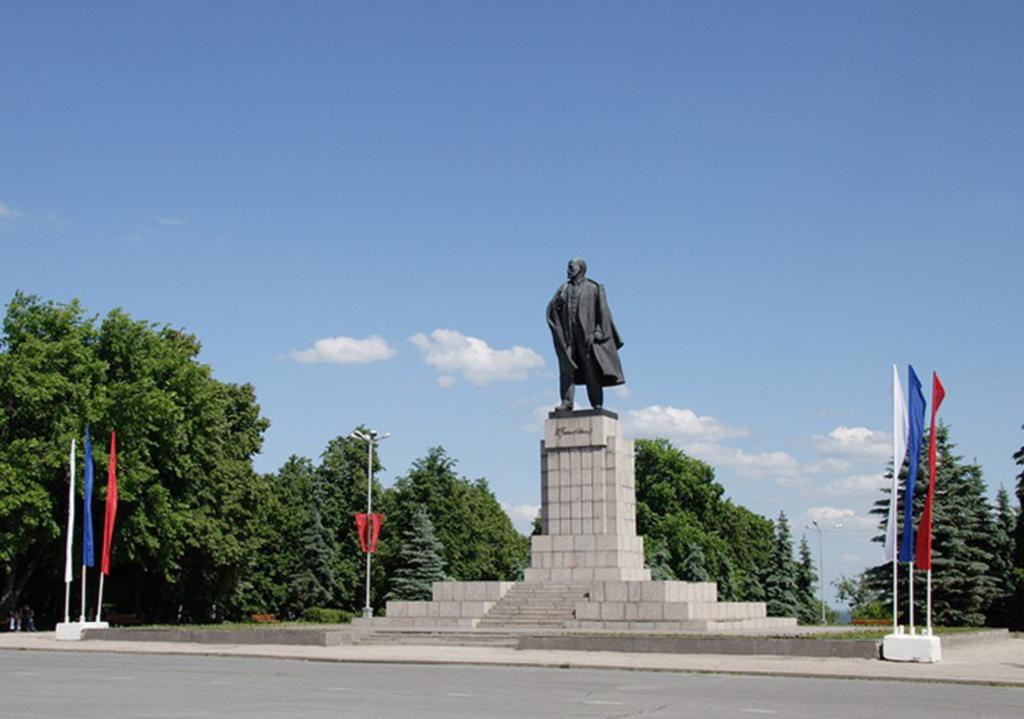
(87, 554)
(916, 406)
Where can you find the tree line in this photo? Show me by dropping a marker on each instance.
(201, 536)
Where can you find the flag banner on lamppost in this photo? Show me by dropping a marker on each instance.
(111, 513)
(368, 526)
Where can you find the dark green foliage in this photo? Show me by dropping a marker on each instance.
(186, 484)
(680, 509)
(863, 600)
(312, 582)
(1019, 531)
(325, 615)
(419, 563)
(780, 577)
(694, 568)
(1003, 611)
(963, 587)
(479, 540)
(658, 560)
(809, 606)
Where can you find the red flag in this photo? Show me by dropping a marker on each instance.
(375, 521)
(923, 553)
(108, 522)
(368, 530)
(361, 528)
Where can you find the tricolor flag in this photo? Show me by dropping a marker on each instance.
(108, 521)
(87, 552)
(899, 452)
(917, 407)
(923, 560)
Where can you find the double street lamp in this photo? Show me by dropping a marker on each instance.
(821, 562)
(369, 436)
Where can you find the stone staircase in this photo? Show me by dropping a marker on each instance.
(536, 604)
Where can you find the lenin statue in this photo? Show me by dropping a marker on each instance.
(586, 341)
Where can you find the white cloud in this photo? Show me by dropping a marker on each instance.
(522, 512)
(623, 391)
(855, 485)
(7, 212)
(827, 517)
(170, 221)
(451, 352)
(678, 423)
(750, 464)
(855, 442)
(829, 465)
(345, 350)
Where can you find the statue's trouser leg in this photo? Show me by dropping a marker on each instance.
(591, 370)
(566, 387)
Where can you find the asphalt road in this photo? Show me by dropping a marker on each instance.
(85, 685)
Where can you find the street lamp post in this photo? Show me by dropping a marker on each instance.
(821, 562)
(370, 436)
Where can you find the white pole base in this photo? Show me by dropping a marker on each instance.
(923, 648)
(72, 631)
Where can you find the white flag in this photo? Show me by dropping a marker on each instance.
(900, 429)
(68, 563)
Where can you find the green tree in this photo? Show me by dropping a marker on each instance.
(680, 509)
(1018, 456)
(312, 583)
(695, 566)
(963, 587)
(479, 540)
(185, 447)
(420, 563)
(809, 606)
(857, 593)
(780, 578)
(1003, 610)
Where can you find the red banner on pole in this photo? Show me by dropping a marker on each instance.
(923, 553)
(108, 520)
(369, 530)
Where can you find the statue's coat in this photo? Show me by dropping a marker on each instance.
(598, 329)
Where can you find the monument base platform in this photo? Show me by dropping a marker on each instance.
(924, 648)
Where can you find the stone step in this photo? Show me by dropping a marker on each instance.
(464, 639)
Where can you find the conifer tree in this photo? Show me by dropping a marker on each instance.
(695, 566)
(780, 579)
(312, 584)
(1019, 533)
(1001, 612)
(963, 587)
(660, 561)
(420, 560)
(806, 579)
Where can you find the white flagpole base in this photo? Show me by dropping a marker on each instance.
(912, 648)
(72, 631)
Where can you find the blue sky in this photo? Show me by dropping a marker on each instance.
(781, 199)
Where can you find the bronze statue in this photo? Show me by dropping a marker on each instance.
(586, 341)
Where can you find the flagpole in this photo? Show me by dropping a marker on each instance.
(910, 576)
(69, 573)
(99, 601)
(82, 618)
(929, 602)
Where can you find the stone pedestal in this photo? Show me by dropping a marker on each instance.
(588, 502)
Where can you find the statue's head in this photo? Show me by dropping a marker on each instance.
(577, 268)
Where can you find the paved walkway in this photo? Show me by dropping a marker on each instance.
(992, 662)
